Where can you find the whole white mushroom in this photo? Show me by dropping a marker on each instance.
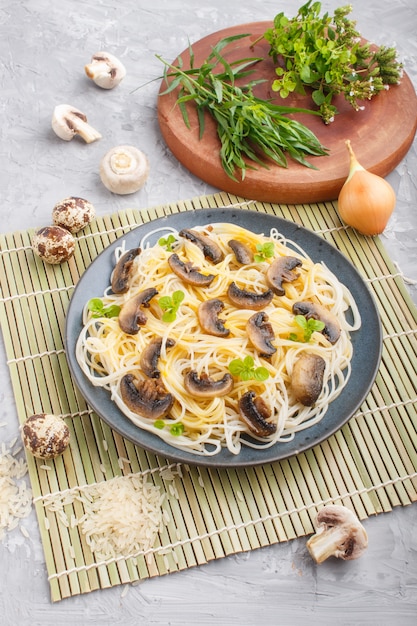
(124, 169)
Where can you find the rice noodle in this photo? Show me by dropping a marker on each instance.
(105, 353)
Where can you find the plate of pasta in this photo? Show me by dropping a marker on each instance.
(223, 337)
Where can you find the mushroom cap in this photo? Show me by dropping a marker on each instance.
(261, 334)
(147, 398)
(44, 435)
(254, 413)
(316, 311)
(124, 169)
(53, 244)
(73, 213)
(243, 299)
(243, 254)
(150, 355)
(282, 270)
(307, 378)
(105, 70)
(206, 387)
(123, 271)
(209, 248)
(188, 273)
(131, 317)
(207, 313)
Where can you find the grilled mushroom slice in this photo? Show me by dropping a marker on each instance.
(310, 310)
(188, 273)
(307, 378)
(209, 248)
(261, 334)
(243, 299)
(243, 254)
(150, 355)
(147, 398)
(131, 317)
(207, 313)
(249, 300)
(123, 270)
(255, 413)
(280, 271)
(205, 387)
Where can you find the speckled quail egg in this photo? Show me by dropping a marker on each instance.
(53, 244)
(73, 213)
(45, 435)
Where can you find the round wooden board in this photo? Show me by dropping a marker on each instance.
(380, 135)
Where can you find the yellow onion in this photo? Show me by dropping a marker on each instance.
(366, 201)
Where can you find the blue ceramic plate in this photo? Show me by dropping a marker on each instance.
(367, 342)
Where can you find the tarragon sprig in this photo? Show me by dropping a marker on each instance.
(251, 130)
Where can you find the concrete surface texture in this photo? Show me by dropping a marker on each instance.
(43, 49)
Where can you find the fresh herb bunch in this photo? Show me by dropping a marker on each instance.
(248, 127)
(326, 54)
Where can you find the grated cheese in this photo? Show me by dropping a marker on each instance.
(15, 496)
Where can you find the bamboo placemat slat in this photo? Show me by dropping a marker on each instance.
(369, 465)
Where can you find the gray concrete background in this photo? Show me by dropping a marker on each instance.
(43, 49)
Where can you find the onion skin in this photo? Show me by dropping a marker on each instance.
(366, 201)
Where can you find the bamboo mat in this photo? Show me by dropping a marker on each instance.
(370, 465)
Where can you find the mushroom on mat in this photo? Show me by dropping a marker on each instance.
(339, 533)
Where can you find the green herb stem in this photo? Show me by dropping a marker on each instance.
(251, 130)
(326, 55)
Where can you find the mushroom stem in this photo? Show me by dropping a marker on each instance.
(326, 543)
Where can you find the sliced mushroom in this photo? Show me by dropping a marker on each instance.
(147, 398)
(131, 317)
(339, 533)
(188, 272)
(205, 387)
(280, 271)
(150, 355)
(243, 254)
(255, 413)
(249, 300)
(307, 378)
(105, 70)
(122, 272)
(310, 310)
(67, 121)
(207, 313)
(209, 248)
(261, 334)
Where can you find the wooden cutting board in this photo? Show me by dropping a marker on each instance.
(380, 135)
